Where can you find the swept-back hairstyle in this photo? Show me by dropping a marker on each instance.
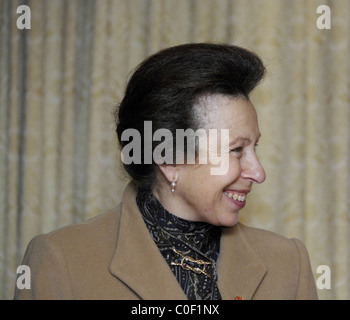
(165, 87)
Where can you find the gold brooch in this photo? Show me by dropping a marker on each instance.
(186, 266)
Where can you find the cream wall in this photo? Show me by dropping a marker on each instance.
(60, 80)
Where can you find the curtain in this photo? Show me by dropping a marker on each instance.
(61, 79)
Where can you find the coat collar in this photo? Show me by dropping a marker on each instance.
(139, 264)
(137, 261)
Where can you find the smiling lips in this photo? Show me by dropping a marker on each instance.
(237, 196)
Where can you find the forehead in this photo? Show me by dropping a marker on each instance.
(224, 112)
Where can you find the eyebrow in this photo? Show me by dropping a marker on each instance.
(240, 138)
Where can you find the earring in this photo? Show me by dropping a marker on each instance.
(173, 185)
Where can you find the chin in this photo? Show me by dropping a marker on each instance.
(229, 220)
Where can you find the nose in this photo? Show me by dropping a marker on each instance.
(253, 170)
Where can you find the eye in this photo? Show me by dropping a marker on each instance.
(237, 150)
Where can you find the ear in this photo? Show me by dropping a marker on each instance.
(169, 172)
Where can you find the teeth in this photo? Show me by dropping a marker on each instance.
(236, 197)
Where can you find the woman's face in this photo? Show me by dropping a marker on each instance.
(216, 199)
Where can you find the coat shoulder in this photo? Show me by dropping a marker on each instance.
(261, 238)
(274, 249)
(96, 236)
(70, 262)
(98, 227)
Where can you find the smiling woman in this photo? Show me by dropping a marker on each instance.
(178, 222)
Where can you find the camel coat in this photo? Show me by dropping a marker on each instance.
(112, 256)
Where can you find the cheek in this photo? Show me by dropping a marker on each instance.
(234, 169)
(200, 186)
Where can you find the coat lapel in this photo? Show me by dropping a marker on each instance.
(240, 270)
(137, 261)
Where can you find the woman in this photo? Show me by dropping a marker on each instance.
(176, 233)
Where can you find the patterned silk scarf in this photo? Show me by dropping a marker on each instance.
(190, 248)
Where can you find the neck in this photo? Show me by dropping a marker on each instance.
(172, 202)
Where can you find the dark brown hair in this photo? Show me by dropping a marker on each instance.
(166, 86)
